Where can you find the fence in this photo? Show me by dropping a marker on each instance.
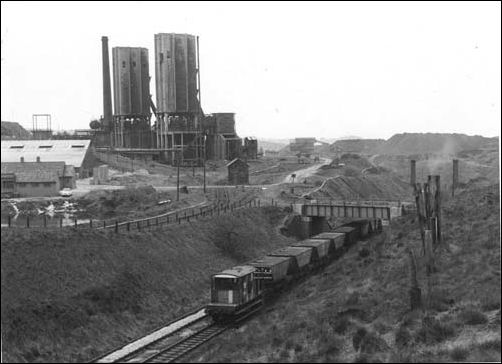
(120, 162)
(221, 205)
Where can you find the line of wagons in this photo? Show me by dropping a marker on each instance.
(240, 290)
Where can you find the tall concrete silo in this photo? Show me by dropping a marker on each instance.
(177, 85)
(131, 96)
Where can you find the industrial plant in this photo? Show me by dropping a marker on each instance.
(173, 129)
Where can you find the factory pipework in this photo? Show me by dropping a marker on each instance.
(107, 91)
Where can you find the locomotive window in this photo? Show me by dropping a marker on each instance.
(224, 284)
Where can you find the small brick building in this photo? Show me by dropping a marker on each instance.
(238, 172)
(36, 179)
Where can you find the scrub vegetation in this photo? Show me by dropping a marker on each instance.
(358, 308)
(71, 295)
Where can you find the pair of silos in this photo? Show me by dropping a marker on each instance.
(176, 77)
(176, 81)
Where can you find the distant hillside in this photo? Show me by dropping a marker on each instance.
(357, 145)
(11, 130)
(448, 144)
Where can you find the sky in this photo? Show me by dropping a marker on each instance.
(325, 70)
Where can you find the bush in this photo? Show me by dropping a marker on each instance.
(470, 316)
(232, 236)
(459, 353)
(364, 252)
(403, 337)
(434, 331)
(368, 341)
(492, 344)
(341, 325)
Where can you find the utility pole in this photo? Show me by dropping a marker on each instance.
(204, 161)
(178, 178)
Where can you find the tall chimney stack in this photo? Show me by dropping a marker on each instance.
(455, 177)
(107, 91)
(413, 172)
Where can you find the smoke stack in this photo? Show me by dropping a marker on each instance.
(22, 159)
(455, 177)
(413, 172)
(38, 159)
(107, 91)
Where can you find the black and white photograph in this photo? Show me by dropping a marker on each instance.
(239, 182)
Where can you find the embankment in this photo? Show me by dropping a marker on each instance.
(378, 187)
(358, 308)
(70, 295)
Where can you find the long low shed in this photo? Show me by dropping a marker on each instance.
(322, 246)
(337, 239)
(273, 268)
(303, 255)
(350, 234)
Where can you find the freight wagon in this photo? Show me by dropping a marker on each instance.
(239, 291)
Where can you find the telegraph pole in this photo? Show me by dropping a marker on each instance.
(178, 178)
(204, 161)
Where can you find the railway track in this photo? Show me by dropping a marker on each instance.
(145, 347)
(181, 348)
(173, 341)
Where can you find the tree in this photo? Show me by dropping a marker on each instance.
(95, 124)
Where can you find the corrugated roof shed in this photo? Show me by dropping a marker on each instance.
(70, 151)
(31, 167)
(37, 176)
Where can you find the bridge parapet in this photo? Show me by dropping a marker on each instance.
(348, 210)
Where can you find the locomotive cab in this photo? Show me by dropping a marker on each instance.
(234, 292)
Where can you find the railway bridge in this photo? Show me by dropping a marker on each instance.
(314, 214)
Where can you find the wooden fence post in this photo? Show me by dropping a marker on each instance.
(75, 222)
(8, 219)
(429, 261)
(128, 226)
(116, 226)
(27, 221)
(437, 180)
(414, 291)
(61, 222)
(90, 223)
(104, 224)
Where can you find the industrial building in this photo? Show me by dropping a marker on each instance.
(74, 152)
(238, 172)
(302, 145)
(35, 179)
(181, 132)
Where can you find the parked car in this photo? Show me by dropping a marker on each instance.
(65, 192)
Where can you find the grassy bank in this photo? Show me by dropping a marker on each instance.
(358, 310)
(71, 295)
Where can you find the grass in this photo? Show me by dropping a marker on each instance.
(70, 295)
(459, 353)
(364, 307)
(470, 316)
